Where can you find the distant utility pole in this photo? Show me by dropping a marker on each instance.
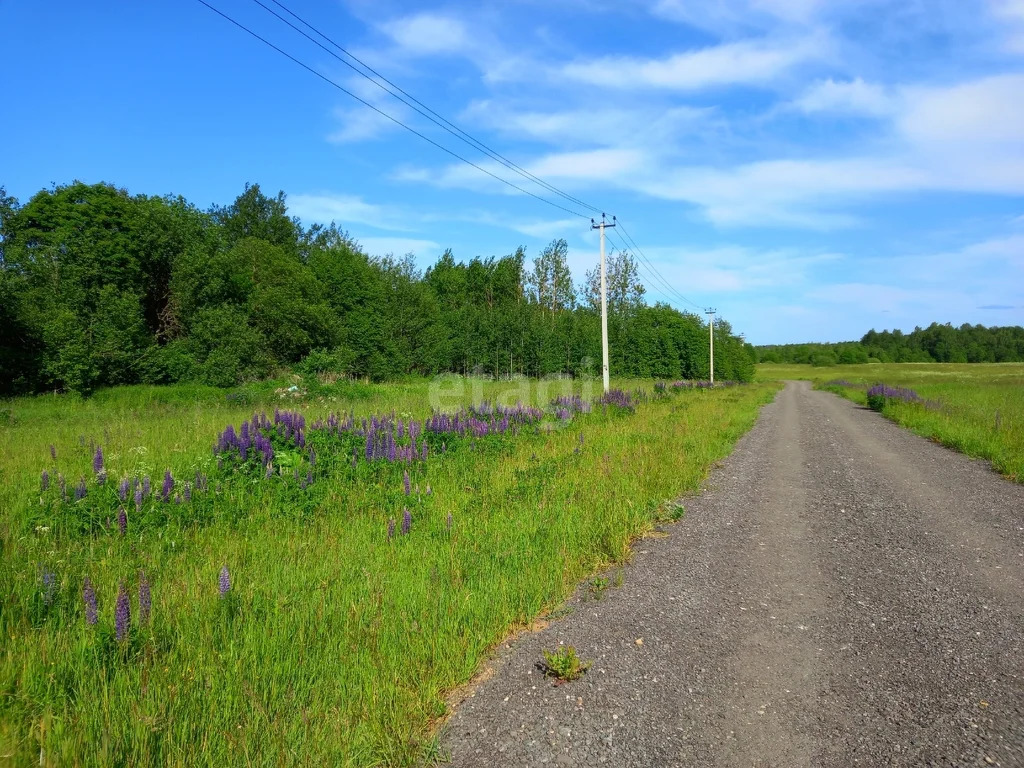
(711, 340)
(604, 302)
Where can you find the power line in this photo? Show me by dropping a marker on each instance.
(388, 116)
(648, 277)
(664, 281)
(654, 269)
(411, 101)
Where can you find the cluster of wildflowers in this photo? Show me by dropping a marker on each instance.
(567, 406)
(880, 393)
(691, 384)
(618, 399)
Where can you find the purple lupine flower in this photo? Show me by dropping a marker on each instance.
(168, 485)
(89, 598)
(122, 489)
(405, 478)
(225, 581)
(97, 461)
(122, 613)
(138, 498)
(63, 484)
(309, 478)
(53, 451)
(424, 452)
(49, 586)
(145, 598)
(406, 522)
(80, 489)
(44, 480)
(122, 521)
(146, 486)
(391, 528)
(448, 522)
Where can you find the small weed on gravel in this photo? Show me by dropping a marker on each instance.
(563, 665)
(598, 586)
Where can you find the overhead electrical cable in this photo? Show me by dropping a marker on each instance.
(411, 101)
(643, 256)
(647, 277)
(393, 119)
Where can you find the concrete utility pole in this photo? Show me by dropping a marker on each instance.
(604, 302)
(711, 341)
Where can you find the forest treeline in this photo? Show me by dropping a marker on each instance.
(99, 287)
(934, 344)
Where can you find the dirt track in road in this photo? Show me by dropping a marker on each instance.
(844, 593)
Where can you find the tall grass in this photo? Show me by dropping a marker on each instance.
(977, 409)
(333, 645)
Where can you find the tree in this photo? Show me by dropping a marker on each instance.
(550, 282)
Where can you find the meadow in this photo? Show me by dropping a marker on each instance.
(977, 408)
(304, 587)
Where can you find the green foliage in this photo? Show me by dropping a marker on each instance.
(564, 665)
(934, 344)
(100, 288)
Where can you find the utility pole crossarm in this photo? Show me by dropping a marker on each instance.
(604, 302)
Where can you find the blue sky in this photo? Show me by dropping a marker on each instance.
(811, 168)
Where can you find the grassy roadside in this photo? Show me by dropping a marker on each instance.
(333, 645)
(977, 409)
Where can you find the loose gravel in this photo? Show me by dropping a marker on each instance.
(843, 593)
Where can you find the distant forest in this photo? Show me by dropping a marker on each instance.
(99, 288)
(934, 344)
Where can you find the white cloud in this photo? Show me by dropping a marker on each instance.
(399, 246)
(547, 230)
(595, 164)
(1010, 15)
(730, 15)
(990, 110)
(654, 125)
(852, 96)
(428, 34)
(746, 62)
(346, 210)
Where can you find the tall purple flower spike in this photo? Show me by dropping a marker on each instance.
(122, 613)
(89, 598)
(225, 581)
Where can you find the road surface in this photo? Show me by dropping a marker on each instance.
(843, 593)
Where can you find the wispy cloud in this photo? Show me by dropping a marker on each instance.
(430, 34)
(346, 210)
(400, 246)
(850, 96)
(746, 63)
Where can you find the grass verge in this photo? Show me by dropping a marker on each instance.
(332, 645)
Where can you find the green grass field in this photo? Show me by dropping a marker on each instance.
(978, 409)
(334, 645)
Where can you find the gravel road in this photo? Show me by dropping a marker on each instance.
(843, 593)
